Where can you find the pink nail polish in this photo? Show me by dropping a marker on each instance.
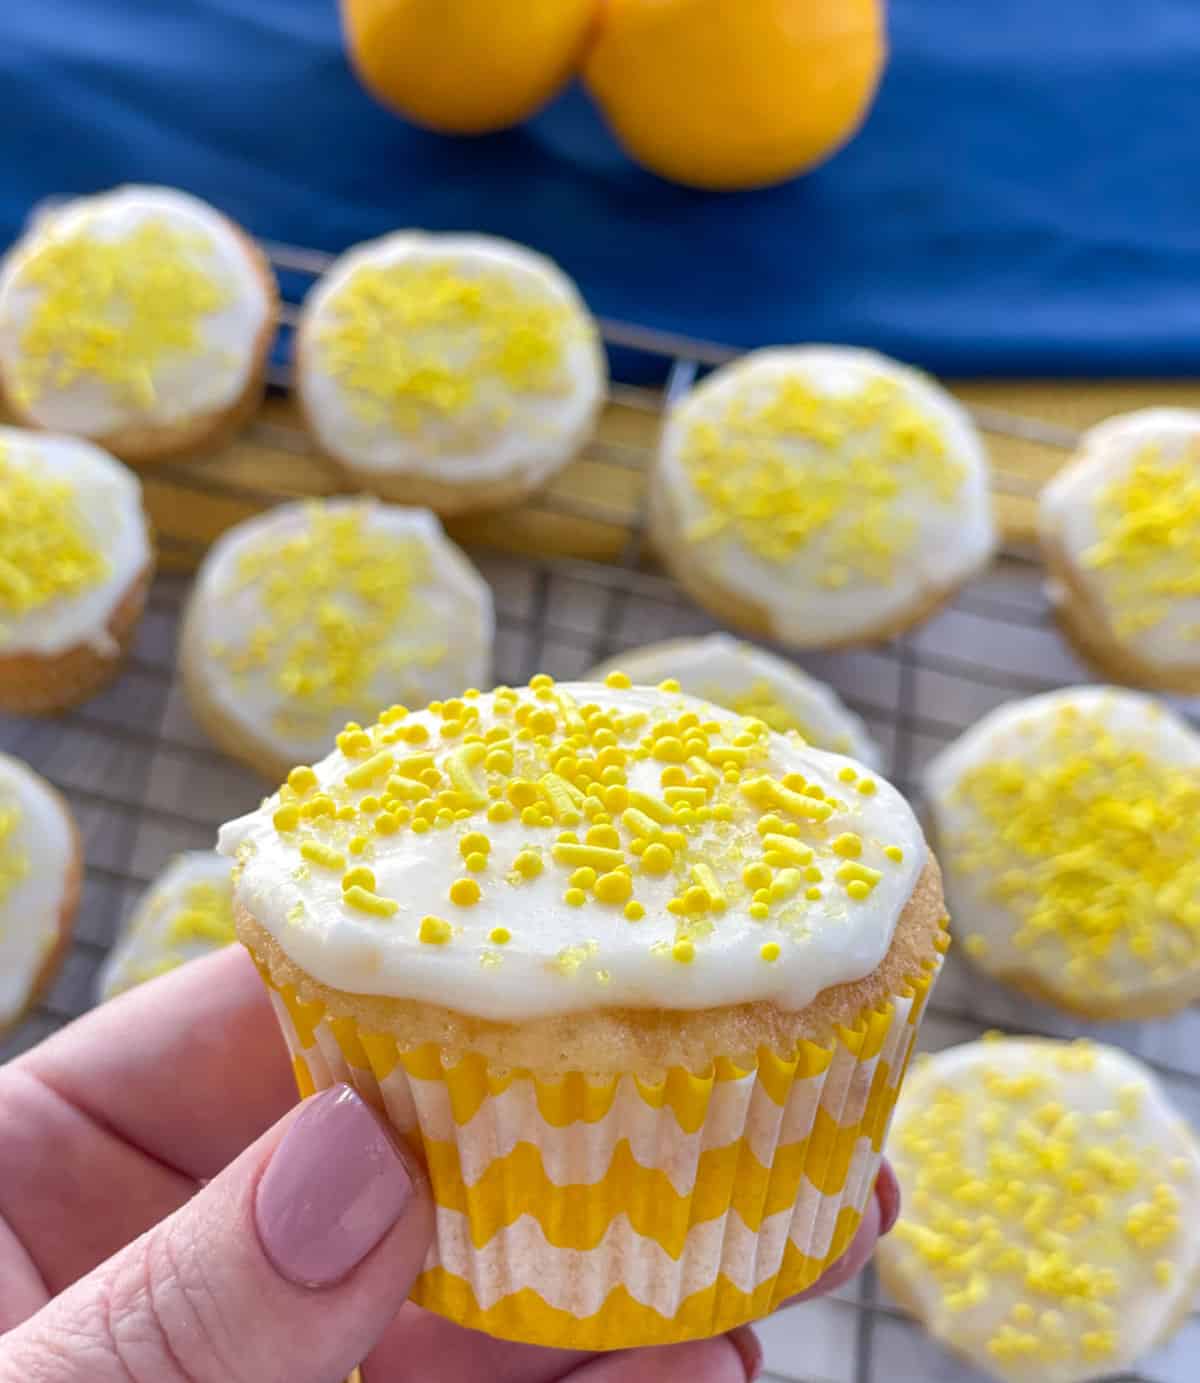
(333, 1189)
(749, 1350)
(887, 1192)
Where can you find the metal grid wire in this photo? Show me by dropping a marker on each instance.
(144, 784)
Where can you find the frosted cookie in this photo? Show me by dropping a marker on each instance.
(820, 496)
(316, 613)
(1120, 532)
(186, 913)
(141, 318)
(75, 565)
(456, 371)
(1069, 831)
(40, 871)
(752, 682)
(1050, 1197)
(635, 976)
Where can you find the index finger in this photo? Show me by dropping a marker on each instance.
(189, 1068)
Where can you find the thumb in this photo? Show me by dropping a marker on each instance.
(290, 1264)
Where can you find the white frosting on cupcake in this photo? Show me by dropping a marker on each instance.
(320, 612)
(557, 849)
(462, 358)
(1050, 1196)
(140, 307)
(186, 913)
(836, 489)
(73, 538)
(751, 681)
(37, 854)
(1126, 515)
(1068, 829)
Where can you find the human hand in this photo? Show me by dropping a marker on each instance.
(168, 1216)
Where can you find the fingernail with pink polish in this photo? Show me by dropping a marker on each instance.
(749, 1350)
(334, 1187)
(887, 1192)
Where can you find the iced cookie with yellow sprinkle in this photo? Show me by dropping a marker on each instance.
(75, 564)
(1050, 1197)
(40, 873)
(636, 977)
(455, 371)
(1120, 531)
(820, 496)
(141, 318)
(752, 682)
(186, 913)
(316, 613)
(1068, 827)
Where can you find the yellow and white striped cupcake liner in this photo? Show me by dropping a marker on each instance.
(609, 1213)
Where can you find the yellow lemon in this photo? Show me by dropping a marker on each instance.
(735, 93)
(466, 66)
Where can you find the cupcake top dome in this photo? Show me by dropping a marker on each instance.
(557, 848)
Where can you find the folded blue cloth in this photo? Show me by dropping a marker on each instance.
(1025, 197)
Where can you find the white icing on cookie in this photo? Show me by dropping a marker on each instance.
(462, 358)
(510, 878)
(1068, 829)
(1126, 514)
(37, 853)
(751, 681)
(320, 612)
(140, 307)
(836, 489)
(186, 913)
(95, 527)
(1050, 1194)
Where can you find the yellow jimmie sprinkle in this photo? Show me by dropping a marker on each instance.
(598, 857)
(365, 901)
(783, 850)
(657, 811)
(459, 766)
(706, 880)
(371, 770)
(565, 800)
(324, 855)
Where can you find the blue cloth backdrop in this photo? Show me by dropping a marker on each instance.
(1025, 197)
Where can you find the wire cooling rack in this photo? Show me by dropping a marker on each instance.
(144, 784)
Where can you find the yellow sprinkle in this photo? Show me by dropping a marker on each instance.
(370, 770)
(464, 892)
(759, 911)
(365, 901)
(614, 887)
(599, 857)
(302, 779)
(784, 884)
(894, 852)
(434, 931)
(583, 877)
(849, 846)
(634, 911)
(651, 807)
(669, 750)
(790, 851)
(757, 875)
(684, 951)
(357, 844)
(858, 890)
(324, 855)
(387, 824)
(474, 843)
(499, 811)
(707, 882)
(286, 818)
(500, 936)
(528, 863)
(618, 681)
(360, 876)
(657, 859)
(575, 897)
(812, 893)
(770, 950)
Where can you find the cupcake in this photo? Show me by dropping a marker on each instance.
(1050, 1192)
(141, 318)
(186, 913)
(820, 496)
(455, 371)
(752, 682)
(75, 565)
(40, 873)
(316, 612)
(1120, 533)
(635, 976)
(1068, 827)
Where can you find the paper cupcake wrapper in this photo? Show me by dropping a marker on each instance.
(608, 1213)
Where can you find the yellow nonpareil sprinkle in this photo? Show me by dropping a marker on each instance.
(119, 309)
(500, 936)
(419, 339)
(634, 911)
(657, 859)
(286, 818)
(360, 876)
(575, 897)
(366, 901)
(618, 681)
(434, 931)
(613, 887)
(849, 846)
(324, 855)
(770, 951)
(684, 951)
(894, 853)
